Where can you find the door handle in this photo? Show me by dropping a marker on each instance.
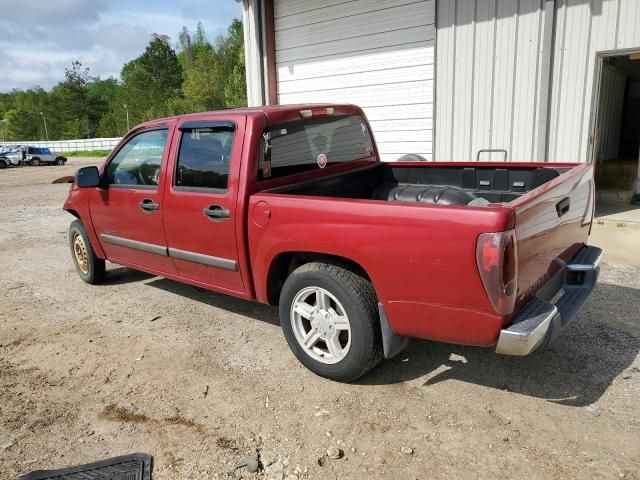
(562, 206)
(148, 205)
(216, 213)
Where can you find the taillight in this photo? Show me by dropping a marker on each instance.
(497, 259)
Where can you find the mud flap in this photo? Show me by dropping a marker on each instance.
(392, 344)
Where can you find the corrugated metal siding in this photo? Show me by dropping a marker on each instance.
(492, 78)
(610, 112)
(583, 29)
(378, 54)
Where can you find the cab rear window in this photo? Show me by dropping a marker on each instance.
(312, 144)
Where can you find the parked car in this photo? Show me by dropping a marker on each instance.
(291, 206)
(12, 157)
(39, 155)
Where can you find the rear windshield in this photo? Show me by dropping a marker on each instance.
(313, 144)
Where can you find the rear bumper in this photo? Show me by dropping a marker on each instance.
(540, 320)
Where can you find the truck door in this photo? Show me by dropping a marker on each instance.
(127, 211)
(200, 202)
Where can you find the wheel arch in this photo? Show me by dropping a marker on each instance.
(87, 223)
(286, 262)
(74, 213)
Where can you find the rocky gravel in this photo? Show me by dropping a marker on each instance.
(202, 381)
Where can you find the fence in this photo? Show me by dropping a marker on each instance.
(73, 145)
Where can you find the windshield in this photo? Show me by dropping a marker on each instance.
(312, 144)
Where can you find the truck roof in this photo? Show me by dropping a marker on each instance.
(275, 113)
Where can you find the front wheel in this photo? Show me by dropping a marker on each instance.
(59, 161)
(330, 319)
(89, 266)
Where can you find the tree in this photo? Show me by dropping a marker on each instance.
(231, 52)
(185, 57)
(203, 83)
(216, 77)
(149, 81)
(75, 102)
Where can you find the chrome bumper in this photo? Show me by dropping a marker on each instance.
(540, 320)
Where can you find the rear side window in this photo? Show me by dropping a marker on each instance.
(312, 144)
(204, 158)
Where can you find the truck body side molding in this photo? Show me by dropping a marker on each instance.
(136, 245)
(210, 260)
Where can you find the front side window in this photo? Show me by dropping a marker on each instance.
(138, 162)
(204, 158)
(311, 144)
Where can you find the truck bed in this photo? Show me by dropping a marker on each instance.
(447, 185)
(550, 207)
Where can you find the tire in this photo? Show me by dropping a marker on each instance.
(35, 162)
(3, 164)
(346, 296)
(90, 268)
(59, 161)
(412, 157)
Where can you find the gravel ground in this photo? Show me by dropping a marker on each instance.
(199, 380)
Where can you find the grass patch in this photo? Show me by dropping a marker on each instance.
(86, 153)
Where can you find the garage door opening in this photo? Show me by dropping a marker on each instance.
(617, 132)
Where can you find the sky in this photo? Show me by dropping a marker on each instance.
(40, 38)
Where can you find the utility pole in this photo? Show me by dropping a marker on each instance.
(46, 132)
(127, 110)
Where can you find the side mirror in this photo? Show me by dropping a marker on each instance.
(88, 177)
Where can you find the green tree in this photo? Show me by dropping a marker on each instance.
(231, 52)
(185, 56)
(77, 106)
(151, 80)
(216, 77)
(203, 85)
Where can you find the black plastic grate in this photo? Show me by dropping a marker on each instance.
(136, 466)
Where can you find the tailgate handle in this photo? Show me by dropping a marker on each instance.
(562, 206)
(216, 213)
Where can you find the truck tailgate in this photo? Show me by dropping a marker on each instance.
(552, 224)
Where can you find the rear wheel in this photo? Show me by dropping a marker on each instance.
(89, 266)
(59, 161)
(35, 162)
(330, 319)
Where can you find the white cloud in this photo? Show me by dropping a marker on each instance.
(101, 35)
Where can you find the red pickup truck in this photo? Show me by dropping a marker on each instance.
(290, 206)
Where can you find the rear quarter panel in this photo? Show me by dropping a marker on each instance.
(420, 258)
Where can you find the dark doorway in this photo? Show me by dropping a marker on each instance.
(617, 129)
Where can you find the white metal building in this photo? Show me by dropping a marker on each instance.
(546, 80)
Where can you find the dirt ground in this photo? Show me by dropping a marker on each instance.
(199, 380)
